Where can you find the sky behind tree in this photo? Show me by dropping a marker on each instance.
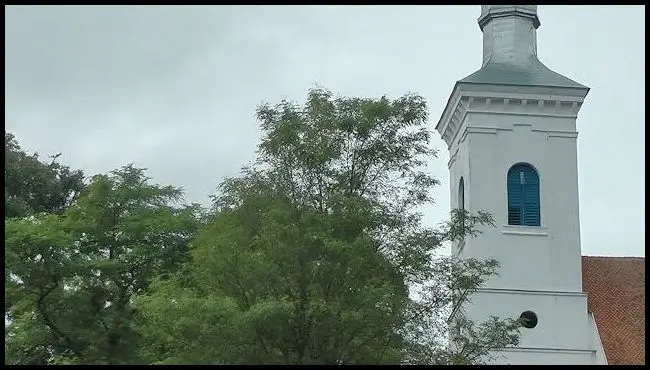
(174, 88)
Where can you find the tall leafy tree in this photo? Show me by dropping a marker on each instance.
(314, 252)
(34, 186)
(71, 277)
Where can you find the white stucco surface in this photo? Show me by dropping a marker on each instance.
(489, 128)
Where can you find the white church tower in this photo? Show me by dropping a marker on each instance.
(511, 132)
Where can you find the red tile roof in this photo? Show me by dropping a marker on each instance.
(615, 289)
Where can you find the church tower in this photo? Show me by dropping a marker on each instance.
(511, 131)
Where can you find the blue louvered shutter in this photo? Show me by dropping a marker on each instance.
(515, 198)
(523, 196)
(531, 198)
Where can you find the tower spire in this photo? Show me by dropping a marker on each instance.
(510, 128)
(509, 33)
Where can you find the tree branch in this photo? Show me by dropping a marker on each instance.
(40, 305)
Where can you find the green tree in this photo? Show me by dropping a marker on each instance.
(71, 278)
(313, 251)
(33, 186)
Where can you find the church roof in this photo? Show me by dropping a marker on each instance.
(615, 288)
(533, 73)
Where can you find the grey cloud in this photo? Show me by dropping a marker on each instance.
(174, 89)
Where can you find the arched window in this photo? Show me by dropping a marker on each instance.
(461, 194)
(461, 206)
(523, 195)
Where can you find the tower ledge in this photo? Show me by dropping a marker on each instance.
(506, 99)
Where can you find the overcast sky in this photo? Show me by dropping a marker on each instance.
(174, 89)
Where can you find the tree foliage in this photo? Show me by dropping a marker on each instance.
(71, 278)
(312, 250)
(314, 254)
(33, 186)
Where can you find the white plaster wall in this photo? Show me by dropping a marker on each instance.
(540, 267)
(542, 258)
(601, 359)
(563, 323)
(523, 356)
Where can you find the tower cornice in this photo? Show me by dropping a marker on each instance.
(490, 12)
(509, 100)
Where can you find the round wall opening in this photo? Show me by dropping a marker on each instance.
(528, 319)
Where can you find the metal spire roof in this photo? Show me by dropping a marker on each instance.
(510, 49)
